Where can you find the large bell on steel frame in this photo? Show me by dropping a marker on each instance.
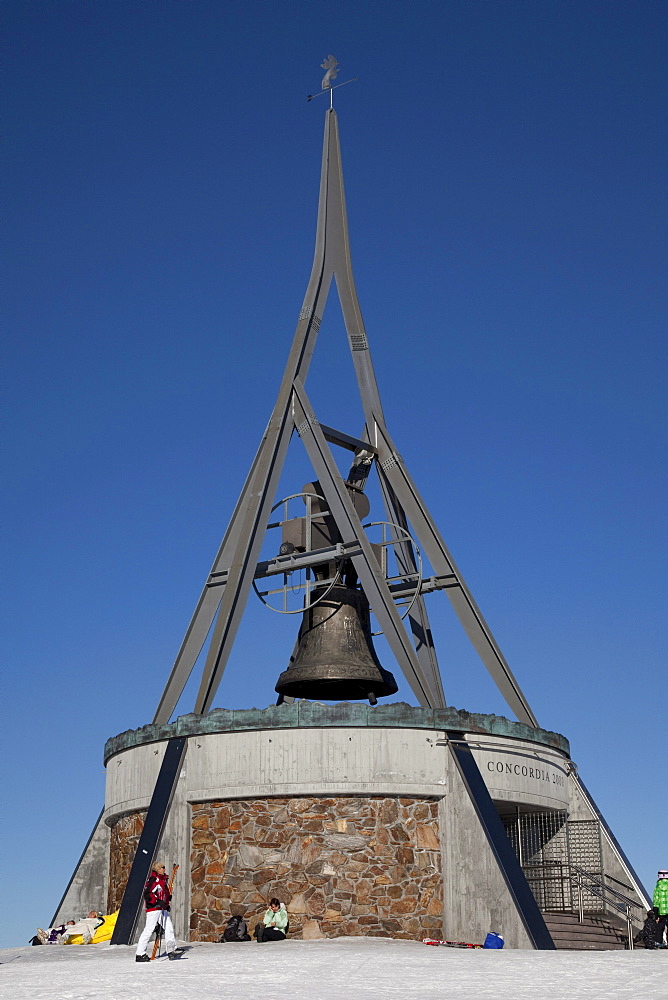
(335, 658)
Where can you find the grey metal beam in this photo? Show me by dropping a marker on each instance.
(152, 831)
(428, 586)
(443, 564)
(338, 245)
(316, 557)
(76, 868)
(339, 253)
(274, 446)
(345, 440)
(586, 794)
(243, 537)
(292, 562)
(204, 613)
(418, 619)
(348, 523)
(242, 569)
(339, 250)
(301, 560)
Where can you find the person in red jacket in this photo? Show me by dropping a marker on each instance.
(157, 898)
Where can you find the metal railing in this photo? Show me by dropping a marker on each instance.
(572, 883)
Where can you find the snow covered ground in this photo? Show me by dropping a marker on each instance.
(354, 968)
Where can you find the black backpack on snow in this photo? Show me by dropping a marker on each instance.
(236, 930)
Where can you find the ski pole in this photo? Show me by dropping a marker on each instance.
(158, 935)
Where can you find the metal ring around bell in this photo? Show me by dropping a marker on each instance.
(300, 611)
(335, 580)
(398, 541)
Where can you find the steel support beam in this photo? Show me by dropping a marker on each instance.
(345, 440)
(418, 619)
(154, 824)
(392, 467)
(204, 613)
(586, 794)
(370, 396)
(243, 538)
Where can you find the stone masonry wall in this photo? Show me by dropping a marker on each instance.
(125, 834)
(343, 866)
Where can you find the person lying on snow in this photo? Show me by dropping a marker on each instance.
(85, 927)
(79, 932)
(51, 934)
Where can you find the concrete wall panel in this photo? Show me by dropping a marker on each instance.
(315, 762)
(174, 849)
(88, 889)
(131, 778)
(523, 773)
(475, 898)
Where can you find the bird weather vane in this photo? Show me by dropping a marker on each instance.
(331, 66)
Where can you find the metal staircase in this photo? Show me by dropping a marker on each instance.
(592, 914)
(584, 907)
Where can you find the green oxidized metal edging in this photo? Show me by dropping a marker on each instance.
(315, 715)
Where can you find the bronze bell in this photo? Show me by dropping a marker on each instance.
(335, 659)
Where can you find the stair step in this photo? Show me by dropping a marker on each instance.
(594, 938)
(584, 932)
(595, 933)
(584, 928)
(575, 944)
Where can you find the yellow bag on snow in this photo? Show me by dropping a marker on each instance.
(103, 933)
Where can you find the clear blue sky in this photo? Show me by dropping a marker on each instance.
(505, 168)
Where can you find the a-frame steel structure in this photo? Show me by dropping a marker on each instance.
(236, 565)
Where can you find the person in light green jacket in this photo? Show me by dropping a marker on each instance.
(660, 898)
(660, 901)
(274, 924)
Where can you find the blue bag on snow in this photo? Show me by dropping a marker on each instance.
(493, 941)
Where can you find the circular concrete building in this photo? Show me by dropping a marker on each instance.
(354, 817)
(360, 819)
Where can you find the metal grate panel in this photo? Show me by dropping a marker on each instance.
(546, 845)
(584, 849)
(540, 841)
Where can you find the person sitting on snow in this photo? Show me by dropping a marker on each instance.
(651, 933)
(274, 924)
